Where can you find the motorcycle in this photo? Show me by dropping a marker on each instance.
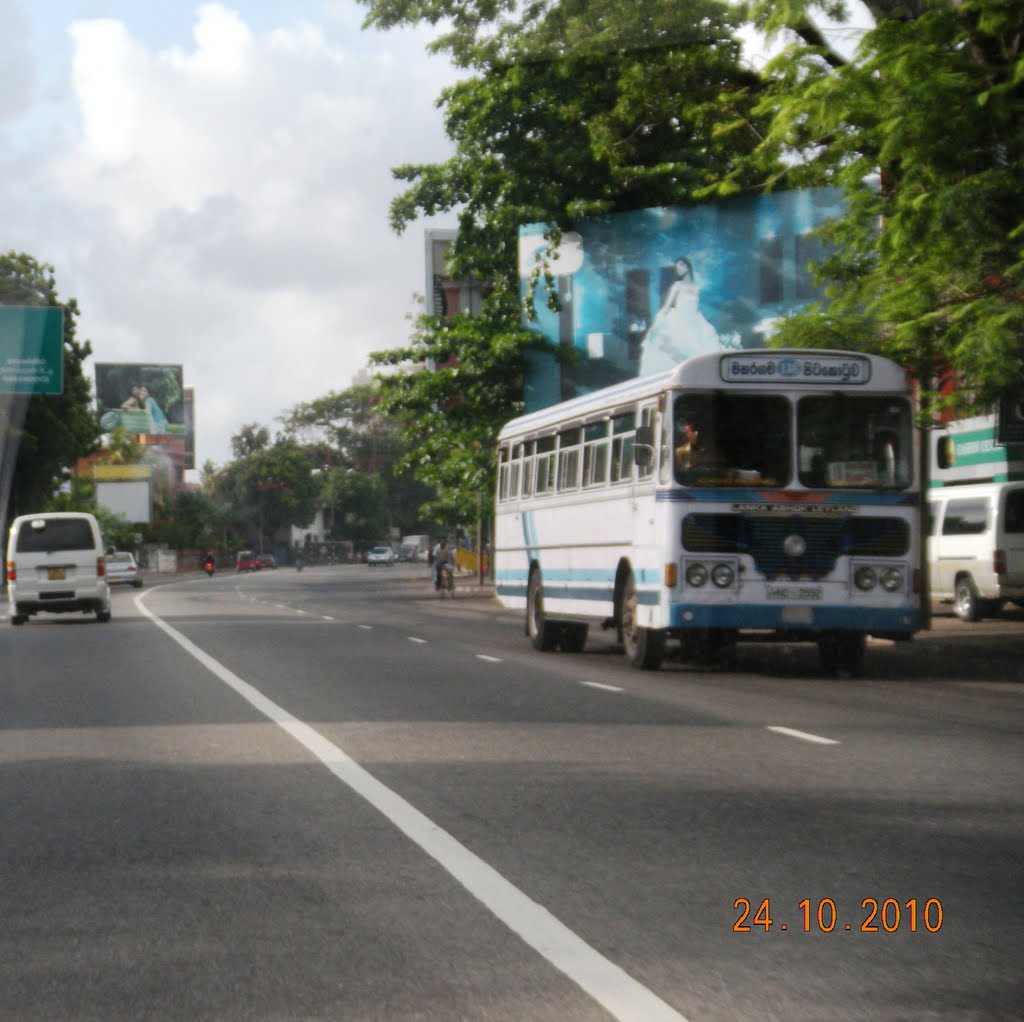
(208, 566)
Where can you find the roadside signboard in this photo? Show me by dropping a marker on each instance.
(31, 349)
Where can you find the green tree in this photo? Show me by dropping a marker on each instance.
(358, 505)
(350, 429)
(270, 488)
(57, 429)
(929, 265)
(252, 437)
(573, 109)
(186, 519)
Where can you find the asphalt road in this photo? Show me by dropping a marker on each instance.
(330, 795)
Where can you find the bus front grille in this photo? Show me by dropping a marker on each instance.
(822, 539)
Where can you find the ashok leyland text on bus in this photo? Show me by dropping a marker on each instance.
(768, 491)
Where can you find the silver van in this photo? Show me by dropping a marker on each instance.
(55, 563)
(976, 546)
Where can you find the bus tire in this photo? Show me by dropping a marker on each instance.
(644, 647)
(966, 602)
(842, 653)
(543, 634)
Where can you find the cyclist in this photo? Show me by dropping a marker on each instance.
(442, 556)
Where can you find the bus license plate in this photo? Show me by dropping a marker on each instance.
(54, 574)
(795, 592)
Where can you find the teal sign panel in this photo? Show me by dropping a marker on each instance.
(31, 350)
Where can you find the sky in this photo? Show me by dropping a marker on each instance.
(211, 182)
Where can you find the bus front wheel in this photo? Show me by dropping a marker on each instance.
(644, 647)
(542, 632)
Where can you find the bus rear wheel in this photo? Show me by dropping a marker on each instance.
(543, 634)
(644, 647)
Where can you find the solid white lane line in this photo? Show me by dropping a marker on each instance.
(607, 983)
(604, 688)
(489, 659)
(804, 735)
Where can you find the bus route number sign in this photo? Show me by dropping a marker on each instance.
(845, 370)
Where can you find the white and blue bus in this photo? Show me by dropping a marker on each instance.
(768, 493)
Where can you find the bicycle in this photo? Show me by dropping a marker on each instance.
(446, 581)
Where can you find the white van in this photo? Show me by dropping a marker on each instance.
(976, 546)
(55, 563)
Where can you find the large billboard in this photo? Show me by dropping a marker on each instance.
(142, 399)
(31, 349)
(641, 291)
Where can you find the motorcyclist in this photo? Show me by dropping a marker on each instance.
(209, 563)
(442, 555)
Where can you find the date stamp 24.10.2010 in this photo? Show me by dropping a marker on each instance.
(886, 915)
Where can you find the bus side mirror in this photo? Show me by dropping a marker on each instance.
(643, 446)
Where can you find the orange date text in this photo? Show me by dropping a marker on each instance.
(885, 915)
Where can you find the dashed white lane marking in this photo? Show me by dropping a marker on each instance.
(804, 735)
(412, 638)
(365, 628)
(604, 688)
(489, 659)
(327, 617)
(607, 983)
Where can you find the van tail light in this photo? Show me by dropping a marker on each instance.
(101, 567)
(999, 562)
(12, 572)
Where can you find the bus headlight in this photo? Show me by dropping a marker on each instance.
(696, 575)
(723, 576)
(892, 580)
(864, 578)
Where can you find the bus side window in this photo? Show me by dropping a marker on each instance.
(529, 466)
(503, 474)
(595, 454)
(569, 459)
(623, 431)
(515, 468)
(545, 465)
(646, 469)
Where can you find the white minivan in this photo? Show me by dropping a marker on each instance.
(976, 546)
(55, 563)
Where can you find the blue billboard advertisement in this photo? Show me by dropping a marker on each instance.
(644, 290)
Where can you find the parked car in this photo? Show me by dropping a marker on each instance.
(123, 569)
(247, 560)
(266, 561)
(976, 546)
(56, 563)
(380, 555)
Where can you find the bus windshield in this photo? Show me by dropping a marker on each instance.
(847, 440)
(732, 438)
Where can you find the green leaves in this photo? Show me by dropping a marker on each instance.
(930, 253)
(58, 429)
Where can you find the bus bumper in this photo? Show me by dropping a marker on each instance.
(888, 622)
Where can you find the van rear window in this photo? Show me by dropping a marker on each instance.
(56, 534)
(1014, 511)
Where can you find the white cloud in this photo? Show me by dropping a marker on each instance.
(224, 204)
(16, 78)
